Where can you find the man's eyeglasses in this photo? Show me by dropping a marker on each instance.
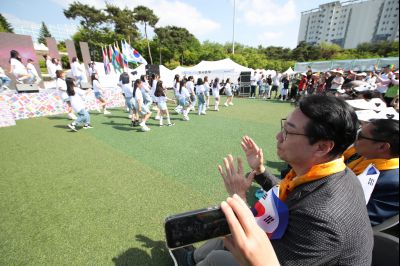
(361, 136)
(285, 132)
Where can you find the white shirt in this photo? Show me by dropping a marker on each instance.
(153, 87)
(176, 88)
(216, 90)
(199, 89)
(275, 80)
(190, 87)
(96, 86)
(76, 69)
(138, 97)
(77, 101)
(61, 85)
(228, 87)
(253, 80)
(184, 93)
(128, 90)
(18, 68)
(32, 69)
(161, 99)
(339, 80)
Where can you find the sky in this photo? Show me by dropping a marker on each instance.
(257, 22)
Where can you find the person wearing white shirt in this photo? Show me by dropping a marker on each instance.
(140, 107)
(184, 100)
(384, 80)
(275, 84)
(97, 89)
(176, 87)
(190, 88)
(61, 86)
(32, 70)
(77, 70)
(77, 100)
(18, 69)
(228, 93)
(162, 103)
(154, 79)
(201, 108)
(207, 92)
(215, 91)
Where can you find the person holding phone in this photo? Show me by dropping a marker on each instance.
(247, 242)
(328, 219)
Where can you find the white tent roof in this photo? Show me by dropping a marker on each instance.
(225, 68)
(289, 71)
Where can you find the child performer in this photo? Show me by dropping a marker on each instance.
(141, 108)
(97, 92)
(215, 91)
(78, 105)
(162, 103)
(61, 86)
(184, 100)
(228, 92)
(200, 97)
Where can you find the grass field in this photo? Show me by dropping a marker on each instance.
(100, 196)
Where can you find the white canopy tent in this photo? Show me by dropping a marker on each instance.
(225, 68)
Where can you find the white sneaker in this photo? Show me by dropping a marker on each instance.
(142, 124)
(72, 127)
(129, 116)
(226, 104)
(216, 109)
(203, 113)
(87, 126)
(127, 109)
(157, 117)
(145, 128)
(230, 103)
(186, 118)
(106, 112)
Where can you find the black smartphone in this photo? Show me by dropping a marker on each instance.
(195, 226)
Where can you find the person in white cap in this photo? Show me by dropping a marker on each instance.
(338, 81)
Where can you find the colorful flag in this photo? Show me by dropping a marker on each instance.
(272, 214)
(132, 55)
(113, 60)
(118, 58)
(106, 61)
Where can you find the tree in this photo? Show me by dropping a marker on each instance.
(91, 18)
(178, 40)
(123, 20)
(43, 34)
(4, 25)
(146, 16)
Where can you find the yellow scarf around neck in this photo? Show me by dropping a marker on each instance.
(358, 166)
(316, 172)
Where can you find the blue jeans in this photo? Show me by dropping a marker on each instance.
(201, 102)
(4, 81)
(83, 117)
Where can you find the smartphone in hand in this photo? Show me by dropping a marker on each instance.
(190, 227)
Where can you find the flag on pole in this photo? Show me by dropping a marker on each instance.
(114, 61)
(131, 54)
(272, 214)
(118, 58)
(106, 61)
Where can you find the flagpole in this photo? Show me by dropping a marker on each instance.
(233, 27)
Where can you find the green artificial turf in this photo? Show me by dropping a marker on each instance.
(100, 196)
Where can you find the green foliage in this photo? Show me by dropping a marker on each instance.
(61, 46)
(5, 26)
(43, 34)
(65, 62)
(124, 21)
(90, 17)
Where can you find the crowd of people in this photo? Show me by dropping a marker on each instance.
(330, 223)
(349, 84)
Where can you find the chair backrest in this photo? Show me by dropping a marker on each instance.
(386, 224)
(386, 250)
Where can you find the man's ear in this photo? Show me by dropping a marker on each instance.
(384, 147)
(323, 147)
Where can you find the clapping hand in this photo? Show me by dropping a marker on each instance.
(235, 181)
(254, 155)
